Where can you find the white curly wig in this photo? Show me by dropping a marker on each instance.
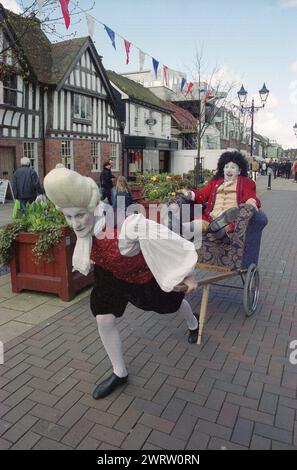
(67, 188)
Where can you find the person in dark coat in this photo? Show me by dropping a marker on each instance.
(25, 184)
(106, 178)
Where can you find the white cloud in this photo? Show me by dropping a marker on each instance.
(11, 5)
(294, 66)
(225, 76)
(288, 3)
(270, 125)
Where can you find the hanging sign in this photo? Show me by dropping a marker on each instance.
(151, 121)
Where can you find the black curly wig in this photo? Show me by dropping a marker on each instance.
(235, 157)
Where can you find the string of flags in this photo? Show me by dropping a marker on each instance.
(185, 87)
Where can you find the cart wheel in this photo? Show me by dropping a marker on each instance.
(251, 290)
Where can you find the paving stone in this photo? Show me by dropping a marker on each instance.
(164, 441)
(242, 432)
(137, 438)
(260, 443)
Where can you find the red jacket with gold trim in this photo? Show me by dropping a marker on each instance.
(245, 189)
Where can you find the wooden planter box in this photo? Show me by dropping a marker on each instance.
(136, 192)
(55, 277)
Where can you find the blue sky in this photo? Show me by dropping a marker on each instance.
(253, 42)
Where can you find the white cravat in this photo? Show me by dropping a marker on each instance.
(82, 252)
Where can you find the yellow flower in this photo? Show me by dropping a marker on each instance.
(153, 178)
(173, 194)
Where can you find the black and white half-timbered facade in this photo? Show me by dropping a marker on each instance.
(148, 143)
(56, 102)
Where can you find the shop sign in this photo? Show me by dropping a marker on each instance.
(151, 121)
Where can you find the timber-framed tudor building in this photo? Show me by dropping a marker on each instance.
(56, 102)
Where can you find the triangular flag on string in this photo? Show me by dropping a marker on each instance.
(127, 47)
(64, 7)
(190, 86)
(40, 5)
(111, 34)
(91, 24)
(155, 65)
(182, 83)
(141, 60)
(165, 70)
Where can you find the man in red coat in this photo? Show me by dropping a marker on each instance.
(229, 188)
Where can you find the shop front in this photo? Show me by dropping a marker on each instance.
(145, 154)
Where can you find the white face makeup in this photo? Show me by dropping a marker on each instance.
(231, 171)
(81, 220)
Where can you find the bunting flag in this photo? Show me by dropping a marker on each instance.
(111, 34)
(165, 70)
(91, 24)
(65, 12)
(127, 47)
(155, 65)
(190, 86)
(182, 83)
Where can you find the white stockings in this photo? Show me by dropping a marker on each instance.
(111, 339)
(186, 310)
(112, 343)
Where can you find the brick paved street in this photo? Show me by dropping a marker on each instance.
(237, 390)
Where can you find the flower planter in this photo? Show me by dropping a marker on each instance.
(55, 277)
(136, 191)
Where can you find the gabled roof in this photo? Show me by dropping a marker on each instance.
(48, 62)
(136, 91)
(27, 33)
(184, 118)
(63, 54)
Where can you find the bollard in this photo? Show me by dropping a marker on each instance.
(269, 181)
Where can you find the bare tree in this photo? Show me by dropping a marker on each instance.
(24, 24)
(211, 95)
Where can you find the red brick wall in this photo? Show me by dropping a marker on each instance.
(18, 145)
(82, 156)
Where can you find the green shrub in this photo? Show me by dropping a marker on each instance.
(41, 218)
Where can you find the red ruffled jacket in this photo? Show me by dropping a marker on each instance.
(246, 189)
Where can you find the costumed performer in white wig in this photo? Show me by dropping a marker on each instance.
(141, 262)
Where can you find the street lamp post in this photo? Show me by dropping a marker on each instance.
(251, 109)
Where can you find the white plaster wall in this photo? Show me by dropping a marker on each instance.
(143, 129)
(183, 161)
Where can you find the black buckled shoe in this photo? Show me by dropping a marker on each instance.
(223, 220)
(193, 334)
(108, 386)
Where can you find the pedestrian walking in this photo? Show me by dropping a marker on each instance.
(106, 182)
(25, 184)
